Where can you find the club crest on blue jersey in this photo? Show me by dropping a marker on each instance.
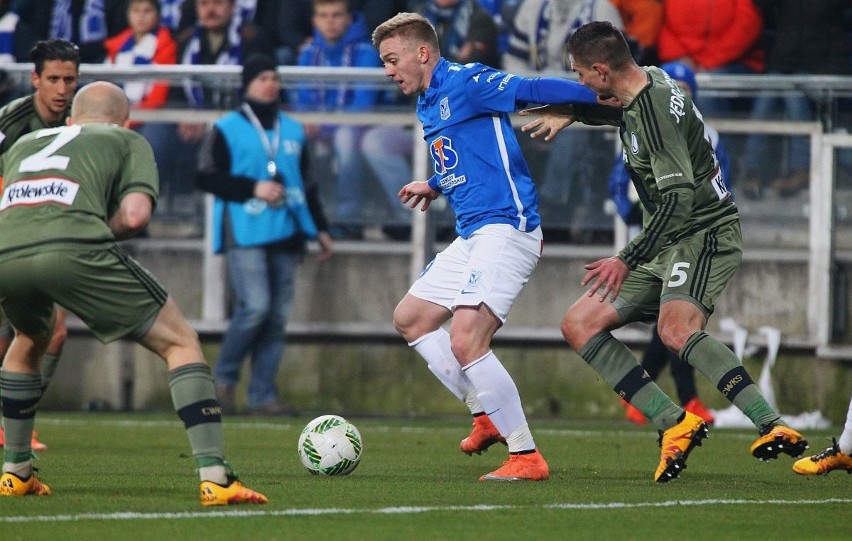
(445, 108)
(443, 155)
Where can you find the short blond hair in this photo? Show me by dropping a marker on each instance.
(411, 27)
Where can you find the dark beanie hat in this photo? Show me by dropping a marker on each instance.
(255, 65)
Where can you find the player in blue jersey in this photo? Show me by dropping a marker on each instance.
(481, 171)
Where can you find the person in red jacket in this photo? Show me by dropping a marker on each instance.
(144, 42)
(713, 36)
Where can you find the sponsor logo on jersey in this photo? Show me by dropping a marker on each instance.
(676, 101)
(505, 81)
(39, 192)
(445, 108)
(446, 158)
(634, 143)
(443, 155)
(451, 181)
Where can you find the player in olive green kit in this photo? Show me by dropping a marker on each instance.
(676, 268)
(69, 194)
(54, 77)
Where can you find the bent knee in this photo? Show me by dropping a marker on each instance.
(575, 329)
(674, 336)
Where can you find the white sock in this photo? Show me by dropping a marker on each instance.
(845, 441)
(435, 349)
(499, 396)
(217, 474)
(22, 469)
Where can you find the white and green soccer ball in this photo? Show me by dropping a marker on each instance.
(330, 445)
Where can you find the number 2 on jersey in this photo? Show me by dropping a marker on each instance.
(46, 157)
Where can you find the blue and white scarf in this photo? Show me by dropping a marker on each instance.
(457, 20)
(232, 55)
(136, 53)
(170, 11)
(8, 23)
(92, 22)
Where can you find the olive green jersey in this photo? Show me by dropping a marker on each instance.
(61, 185)
(673, 167)
(19, 117)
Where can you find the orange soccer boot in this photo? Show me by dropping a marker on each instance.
(827, 460)
(12, 485)
(483, 436)
(777, 439)
(529, 466)
(234, 492)
(675, 445)
(697, 407)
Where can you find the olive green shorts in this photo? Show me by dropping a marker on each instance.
(695, 269)
(106, 288)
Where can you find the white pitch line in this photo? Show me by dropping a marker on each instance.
(125, 516)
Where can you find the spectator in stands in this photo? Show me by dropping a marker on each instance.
(295, 29)
(86, 23)
(642, 22)
(804, 38)
(252, 19)
(466, 30)
(215, 40)
(502, 11)
(16, 36)
(341, 39)
(253, 161)
(145, 42)
(570, 188)
(712, 36)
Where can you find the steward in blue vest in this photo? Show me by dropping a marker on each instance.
(234, 158)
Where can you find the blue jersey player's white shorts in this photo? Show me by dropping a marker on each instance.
(491, 267)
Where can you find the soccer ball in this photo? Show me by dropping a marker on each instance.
(330, 445)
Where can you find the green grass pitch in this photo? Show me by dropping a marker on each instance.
(130, 477)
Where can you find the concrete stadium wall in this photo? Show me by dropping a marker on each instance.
(382, 376)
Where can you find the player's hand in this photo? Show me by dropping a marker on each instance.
(551, 120)
(270, 191)
(191, 132)
(326, 244)
(606, 275)
(413, 193)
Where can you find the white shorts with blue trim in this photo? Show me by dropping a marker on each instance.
(490, 267)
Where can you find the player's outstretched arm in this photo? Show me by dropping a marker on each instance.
(551, 119)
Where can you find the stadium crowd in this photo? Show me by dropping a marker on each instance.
(520, 36)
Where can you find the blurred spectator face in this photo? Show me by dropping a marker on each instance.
(332, 20)
(445, 3)
(55, 87)
(265, 88)
(142, 17)
(214, 14)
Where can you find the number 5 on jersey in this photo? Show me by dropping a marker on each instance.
(679, 275)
